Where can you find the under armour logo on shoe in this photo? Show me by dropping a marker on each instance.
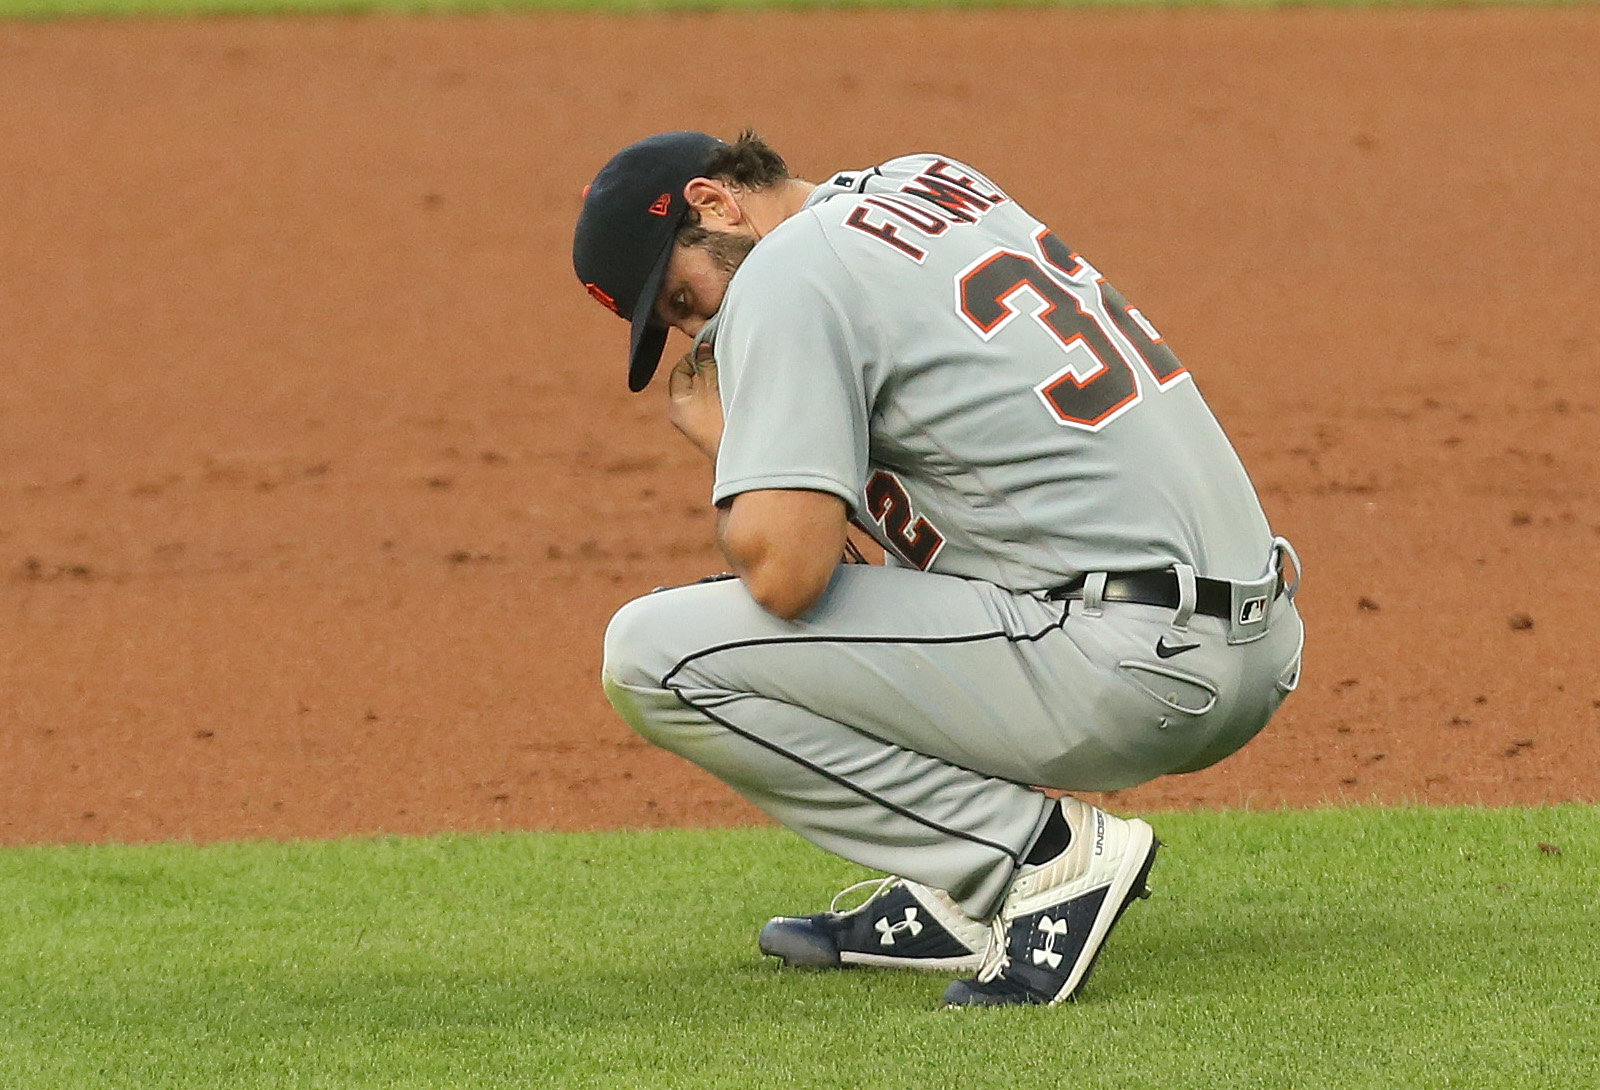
(887, 931)
(1048, 955)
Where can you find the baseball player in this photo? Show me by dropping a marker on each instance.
(1080, 591)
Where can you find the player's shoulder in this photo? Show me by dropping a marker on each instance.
(794, 261)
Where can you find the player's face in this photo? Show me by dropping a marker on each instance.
(697, 279)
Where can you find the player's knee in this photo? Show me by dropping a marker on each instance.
(635, 645)
(640, 648)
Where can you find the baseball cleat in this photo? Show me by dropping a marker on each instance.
(901, 925)
(1056, 916)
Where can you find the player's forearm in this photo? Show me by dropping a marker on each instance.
(784, 545)
(702, 429)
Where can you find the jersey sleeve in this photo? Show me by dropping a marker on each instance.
(790, 366)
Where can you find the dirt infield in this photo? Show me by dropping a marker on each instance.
(319, 478)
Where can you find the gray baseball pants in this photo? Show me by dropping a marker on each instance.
(906, 721)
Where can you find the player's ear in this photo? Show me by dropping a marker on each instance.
(715, 201)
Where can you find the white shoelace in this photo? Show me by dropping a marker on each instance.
(881, 884)
(995, 959)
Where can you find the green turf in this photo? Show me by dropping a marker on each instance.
(1343, 948)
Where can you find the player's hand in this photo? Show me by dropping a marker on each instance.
(695, 406)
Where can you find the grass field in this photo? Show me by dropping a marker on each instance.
(1347, 948)
(1340, 948)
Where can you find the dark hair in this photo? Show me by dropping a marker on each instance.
(749, 163)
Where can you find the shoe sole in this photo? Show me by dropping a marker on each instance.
(969, 963)
(1130, 884)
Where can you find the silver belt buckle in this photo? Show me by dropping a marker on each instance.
(1252, 602)
(1251, 608)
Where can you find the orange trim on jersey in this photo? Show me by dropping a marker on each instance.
(884, 232)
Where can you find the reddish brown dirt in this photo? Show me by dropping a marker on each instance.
(318, 477)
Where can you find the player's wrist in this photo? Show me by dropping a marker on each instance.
(704, 435)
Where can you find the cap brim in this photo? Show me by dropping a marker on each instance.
(644, 352)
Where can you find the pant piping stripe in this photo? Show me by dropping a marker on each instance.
(666, 683)
(1014, 856)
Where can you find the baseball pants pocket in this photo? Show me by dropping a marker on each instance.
(1178, 690)
(1177, 716)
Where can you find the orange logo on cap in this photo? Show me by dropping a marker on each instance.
(663, 203)
(604, 299)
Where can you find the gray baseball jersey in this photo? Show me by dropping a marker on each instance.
(1032, 428)
(1000, 418)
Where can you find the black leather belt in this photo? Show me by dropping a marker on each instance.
(1159, 587)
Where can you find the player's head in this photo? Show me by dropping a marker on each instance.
(666, 208)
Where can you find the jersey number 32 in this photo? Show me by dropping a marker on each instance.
(1111, 349)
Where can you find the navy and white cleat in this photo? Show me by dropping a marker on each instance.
(901, 925)
(1056, 916)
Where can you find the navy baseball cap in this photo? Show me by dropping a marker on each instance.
(631, 215)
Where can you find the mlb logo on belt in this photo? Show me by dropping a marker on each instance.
(1252, 610)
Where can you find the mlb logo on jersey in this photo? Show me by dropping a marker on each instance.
(1253, 610)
